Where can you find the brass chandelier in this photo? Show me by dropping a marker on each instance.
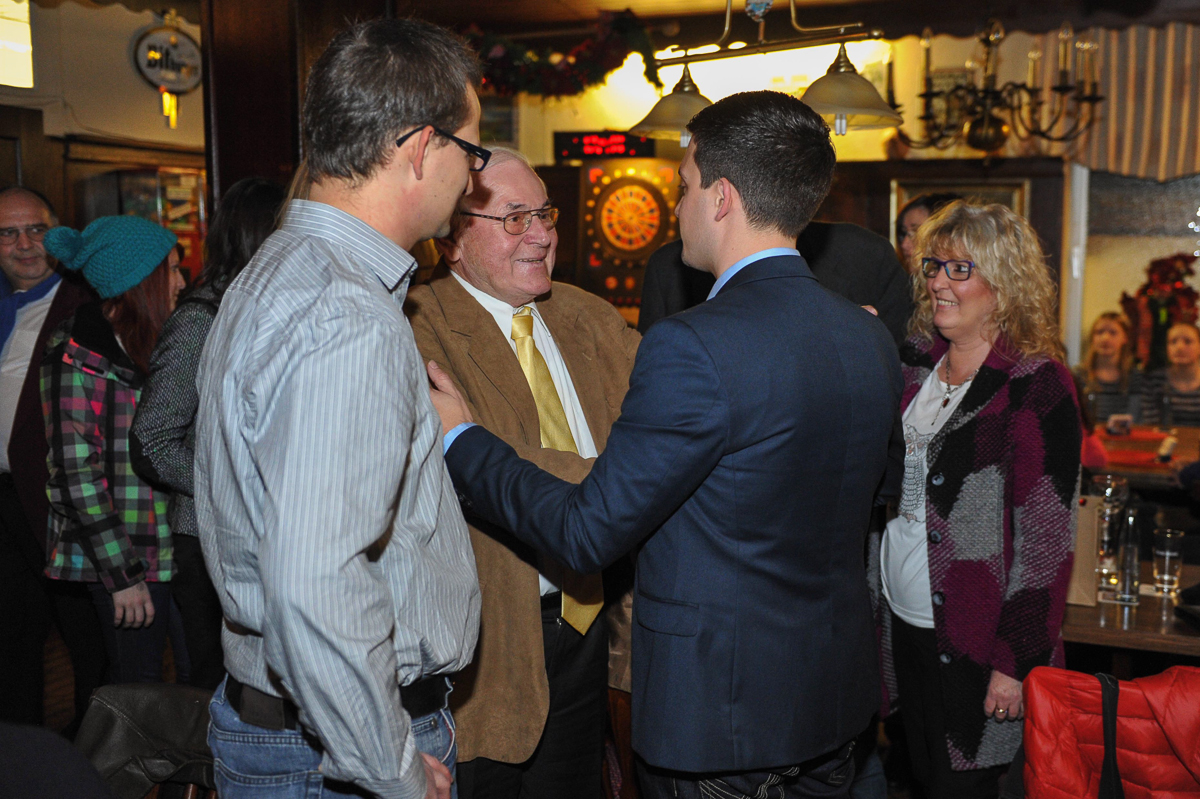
(985, 116)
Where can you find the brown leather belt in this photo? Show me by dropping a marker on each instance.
(423, 697)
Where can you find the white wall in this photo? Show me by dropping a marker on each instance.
(85, 81)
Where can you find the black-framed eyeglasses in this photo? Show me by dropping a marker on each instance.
(955, 269)
(479, 156)
(518, 222)
(9, 235)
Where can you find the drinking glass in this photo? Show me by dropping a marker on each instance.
(1168, 560)
(1129, 574)
(1115, 493)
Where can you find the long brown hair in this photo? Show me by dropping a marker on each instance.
(137, 315)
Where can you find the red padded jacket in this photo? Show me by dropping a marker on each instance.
(1158, 735)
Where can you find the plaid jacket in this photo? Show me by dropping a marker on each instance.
(105, 523)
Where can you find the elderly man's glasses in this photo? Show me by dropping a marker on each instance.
(9, 235)
(479, 156)
(955, 270)
(518, 222)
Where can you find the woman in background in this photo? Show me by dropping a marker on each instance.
(1171, 395)
(1110, 381)
(976, 563)
(163, 434)
(911, 217)
(108, 527)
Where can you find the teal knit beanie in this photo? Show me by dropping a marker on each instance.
(115, 253)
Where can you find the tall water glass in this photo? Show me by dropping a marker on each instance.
(1129, 575)
(1168, 560)
(1115, 493)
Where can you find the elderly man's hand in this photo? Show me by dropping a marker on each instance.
(446, 400)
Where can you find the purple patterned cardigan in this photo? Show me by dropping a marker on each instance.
(1001, 500)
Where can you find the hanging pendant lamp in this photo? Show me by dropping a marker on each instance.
(669, 117)
(847, 100)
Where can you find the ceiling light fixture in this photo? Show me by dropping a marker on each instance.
(669, 117)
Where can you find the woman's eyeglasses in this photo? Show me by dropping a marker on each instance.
(955, 270)
(518, 222)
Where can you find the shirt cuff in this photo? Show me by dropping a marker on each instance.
(453, 434)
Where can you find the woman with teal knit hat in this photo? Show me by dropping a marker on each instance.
(107, 527)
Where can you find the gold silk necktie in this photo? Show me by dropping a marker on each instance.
(582, 595)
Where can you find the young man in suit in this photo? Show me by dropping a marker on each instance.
(34, 299)
(751, 446)
(531, 707)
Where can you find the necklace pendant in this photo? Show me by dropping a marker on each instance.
(945, 402)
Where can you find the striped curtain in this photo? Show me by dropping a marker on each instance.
(1149, 122)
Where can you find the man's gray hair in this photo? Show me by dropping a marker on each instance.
(500, 155)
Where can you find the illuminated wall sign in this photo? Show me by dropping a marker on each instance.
(577, 145)
(16, 44)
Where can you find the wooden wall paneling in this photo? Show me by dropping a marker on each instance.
(320, 21)
(30, 157)
(251, 93)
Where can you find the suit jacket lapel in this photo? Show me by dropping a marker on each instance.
(577, 354)
(476, 332)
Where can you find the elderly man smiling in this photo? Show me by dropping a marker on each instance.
(544, 365)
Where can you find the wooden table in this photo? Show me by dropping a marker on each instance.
(1149, 626)
(1146, 439)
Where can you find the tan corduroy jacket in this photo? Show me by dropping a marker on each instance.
(501, 700)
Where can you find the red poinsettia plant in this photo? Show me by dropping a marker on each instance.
(1163, 300)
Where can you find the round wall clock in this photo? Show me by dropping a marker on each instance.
(168, 59)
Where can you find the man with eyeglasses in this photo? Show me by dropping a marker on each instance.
(544, 365)
(34, 299)
(328, 523)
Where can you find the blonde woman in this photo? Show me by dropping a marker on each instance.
(1111, 383)
(976, 564)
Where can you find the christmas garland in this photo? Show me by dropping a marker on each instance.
(510, 67)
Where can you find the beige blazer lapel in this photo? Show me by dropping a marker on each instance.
(476, 331)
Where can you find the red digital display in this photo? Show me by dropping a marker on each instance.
(601, 144)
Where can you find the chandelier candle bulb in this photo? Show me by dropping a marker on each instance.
(889, 59)
(1065, 34)
(1033, 81)
(926, 45)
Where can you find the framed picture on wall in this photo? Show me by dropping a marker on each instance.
(498, 120)
(1011, 193)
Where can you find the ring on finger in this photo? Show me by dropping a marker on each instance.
(1001, 711)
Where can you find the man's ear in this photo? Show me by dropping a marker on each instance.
(726, 197)
(414, 152)
(449, 249)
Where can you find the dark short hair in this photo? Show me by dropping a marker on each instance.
(34, 193)
(376, 80)
(248, 213)
(775, 151)
(932, 203)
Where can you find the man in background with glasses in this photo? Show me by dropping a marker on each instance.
(329, 525)
(545, 366)
(34, 299)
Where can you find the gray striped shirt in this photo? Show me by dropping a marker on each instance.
(328, 521)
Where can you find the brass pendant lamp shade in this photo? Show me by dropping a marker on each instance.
(669, 117)
(848, 100)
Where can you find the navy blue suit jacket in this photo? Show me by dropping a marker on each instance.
(746, 459)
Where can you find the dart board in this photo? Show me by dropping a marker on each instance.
(628, 211)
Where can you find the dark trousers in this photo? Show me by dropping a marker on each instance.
(134, 655)
(30, 602)
(820, 778)
(567, 761)
(917, 675)
(200, 608)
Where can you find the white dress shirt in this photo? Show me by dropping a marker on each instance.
(503, 313)
(14, 364)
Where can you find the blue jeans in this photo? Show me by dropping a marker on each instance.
(134, 655)
(255, 763)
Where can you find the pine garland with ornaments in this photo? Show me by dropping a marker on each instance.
(510, 66)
